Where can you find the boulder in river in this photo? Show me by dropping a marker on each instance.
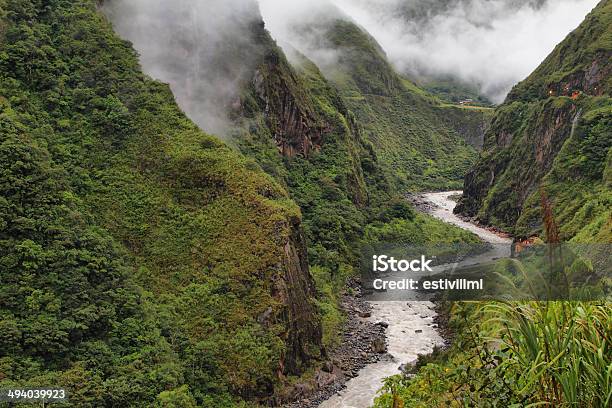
(378, 345)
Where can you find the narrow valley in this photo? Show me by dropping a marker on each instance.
(196, 198)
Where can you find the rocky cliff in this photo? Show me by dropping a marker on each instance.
(411, 132)
(289, 115)
(551, 138)
(294, 123)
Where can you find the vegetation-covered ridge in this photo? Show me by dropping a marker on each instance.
(294, 122)
(420, 142)
(551, 141)
(143, 262)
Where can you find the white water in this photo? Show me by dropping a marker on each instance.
(404, 318)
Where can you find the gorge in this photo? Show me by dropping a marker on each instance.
(187, 188)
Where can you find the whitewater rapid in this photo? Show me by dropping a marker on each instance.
(411, 331)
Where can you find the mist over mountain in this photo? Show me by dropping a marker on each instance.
(204, 50)
(195, 46)
(487, 44)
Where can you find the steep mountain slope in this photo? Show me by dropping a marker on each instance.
(291, 120)
(551, 140)
(295, 123)
(297, 126)
(420, 143)
(292, 123)
(142, 260)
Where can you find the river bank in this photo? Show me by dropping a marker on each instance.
(363, 342)
(441, 206)
(413, 327)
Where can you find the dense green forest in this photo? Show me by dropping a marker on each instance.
(145, 262)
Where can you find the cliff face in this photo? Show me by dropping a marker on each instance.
(296, 291)
(288, 119)
(293, 123)
(551, 136)
(512, 175)
(417, 143)
(209, 61)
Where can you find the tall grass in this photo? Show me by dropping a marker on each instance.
(560, 349)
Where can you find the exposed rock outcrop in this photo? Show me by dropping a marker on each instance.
(296, 291)
(296, 128)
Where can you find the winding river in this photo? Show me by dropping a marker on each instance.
(410, 331)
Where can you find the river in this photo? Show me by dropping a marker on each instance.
(410, 331)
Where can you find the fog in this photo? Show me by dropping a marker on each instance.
(204, 49)
(489, 44)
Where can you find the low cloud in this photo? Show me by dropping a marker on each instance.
(300, 26)
(490, 44)
(205, 50)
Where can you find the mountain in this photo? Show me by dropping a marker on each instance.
(549, 143)
(415, 133)
(421, 142)
(296, 124)
(142, 259)
(148, 263)
(289, 117)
